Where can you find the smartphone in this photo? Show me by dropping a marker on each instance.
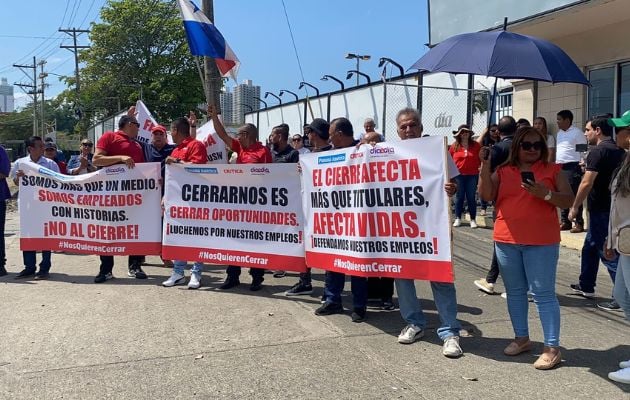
(527, 177)
(581, 147)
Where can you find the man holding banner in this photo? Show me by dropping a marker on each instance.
(119, 148)
(249, 151)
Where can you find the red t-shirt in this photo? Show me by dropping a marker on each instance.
(467, 160)
(254, 154)
(191, 150)
(521, 217)
(119, 144)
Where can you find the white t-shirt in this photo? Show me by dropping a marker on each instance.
(303, 150)
(565, 145)
(551, 141)
(43, 161)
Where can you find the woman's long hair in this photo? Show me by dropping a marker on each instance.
(458, 141)
(544, 122)
(516, 145)
(623, 178)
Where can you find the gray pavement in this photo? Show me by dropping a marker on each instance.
(133, 339)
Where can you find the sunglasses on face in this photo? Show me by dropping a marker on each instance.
(87, 144)
(537, 146)
(297, 139)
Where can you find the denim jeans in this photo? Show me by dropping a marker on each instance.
(30, 260)
(592, 251)
(179, 266)
(531, 268)
(445, 298)
(334, 286)
(621, 292)
(466, 187)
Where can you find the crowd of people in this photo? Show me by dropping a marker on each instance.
(525, 172)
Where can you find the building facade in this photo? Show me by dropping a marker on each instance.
(238, 101)
(227, 107)
(7, 101)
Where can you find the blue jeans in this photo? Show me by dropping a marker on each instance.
(334, 286)
(466, 187)
(30, 261)
(531, 268)
(593, 251)
(179, 266)
(445, 298)
(621, 292)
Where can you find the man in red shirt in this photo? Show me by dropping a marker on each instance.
(249, 151)
(188, 151)
(119, 148)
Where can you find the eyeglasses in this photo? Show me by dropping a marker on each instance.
(493, 130)
(297, 139)
(87, 144)
(537, 146)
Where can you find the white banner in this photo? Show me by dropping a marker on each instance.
(246, 215)
(147, 122)
(217, 152)
(379, 211)
(113, 211)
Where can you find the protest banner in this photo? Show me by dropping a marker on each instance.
(147, 122)
(217, 152)
(245, 215)
(379, 211)
(113, 211)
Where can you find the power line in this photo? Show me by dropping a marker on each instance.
(64, 13)
(87, 13)
(293, 41)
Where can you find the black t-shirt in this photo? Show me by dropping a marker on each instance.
(603, 159)
(500, 152)
(288, 155)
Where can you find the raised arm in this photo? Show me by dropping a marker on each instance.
(218, 126)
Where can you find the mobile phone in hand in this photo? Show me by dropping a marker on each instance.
(527, 177)
(581, 147)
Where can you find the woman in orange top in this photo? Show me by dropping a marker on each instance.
(528, 189)
(465, 153)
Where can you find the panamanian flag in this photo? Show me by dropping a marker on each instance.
(204, 39)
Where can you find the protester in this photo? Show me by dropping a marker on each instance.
(601, 161)
(369, 136)
(249, 151)
(60, 155)
(498, 155)
(187, 151)
(318, 136)
(465, 153)
(82, 163)
(35, 149)
(282, 152)
(5, 194)
(540, 123)
(297, 142)
(620, 220)
(527, 190)
(119, 147)
(50, 152)
(489, 137)
(622, 135)
(568, 156)
(522, 122)
(444, 294)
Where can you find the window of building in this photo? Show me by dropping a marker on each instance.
(624, 88)
(610, 90)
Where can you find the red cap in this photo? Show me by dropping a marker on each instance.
(158, 128)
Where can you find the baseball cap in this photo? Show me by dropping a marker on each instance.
(320, 127)
(622, 122)
(50, 145)
(158, 128)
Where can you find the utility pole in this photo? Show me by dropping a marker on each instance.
(212, 78)
(33, 87)
(42, 84)
(75, 49)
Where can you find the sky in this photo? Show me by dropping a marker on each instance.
(324, 32)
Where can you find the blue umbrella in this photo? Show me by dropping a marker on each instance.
(502, 54)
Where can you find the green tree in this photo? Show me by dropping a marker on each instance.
(139, 48)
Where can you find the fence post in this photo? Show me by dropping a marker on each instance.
(471, 99)
(328, 108)
(419, 94)
(383, 124)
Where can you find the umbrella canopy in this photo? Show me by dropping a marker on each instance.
(502, 54)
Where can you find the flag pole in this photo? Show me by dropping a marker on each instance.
(203, 81)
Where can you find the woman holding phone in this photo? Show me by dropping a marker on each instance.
(528, 190)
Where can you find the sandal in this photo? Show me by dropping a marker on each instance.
(514, 349)
(545, 361)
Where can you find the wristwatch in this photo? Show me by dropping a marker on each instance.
(548, 196)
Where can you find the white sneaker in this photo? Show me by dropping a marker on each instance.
(457, 222)
(195, 281)
(175, 279)
(451, 347)
(410, 334)
(484, 285)
(473, 224)
(622, 376)
(504, 295)
(624, 364)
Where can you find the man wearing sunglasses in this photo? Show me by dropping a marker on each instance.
(82, 163)
(120, 148)
(601, 161)
(297, 142)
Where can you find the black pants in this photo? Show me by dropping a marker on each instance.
(380, 288)
(107, 263)
(493, 274)
(3, 215)
(574, 174)
(234, 272)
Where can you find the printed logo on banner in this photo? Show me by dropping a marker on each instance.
(381, 151)
(259, 171)
(114, 171)
(202, 170)
(232, 171)
(356, 155)
(46, 171)
(331, 159)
